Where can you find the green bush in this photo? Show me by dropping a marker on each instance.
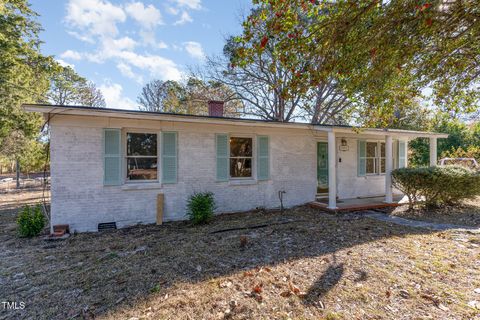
(437, 185)
(200, 207)
(31, 221)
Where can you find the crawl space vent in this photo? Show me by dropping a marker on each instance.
(107, 226)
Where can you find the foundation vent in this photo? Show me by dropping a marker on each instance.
(107, 226)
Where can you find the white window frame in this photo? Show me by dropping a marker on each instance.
(377, 159)
(125, 131)
(254, 155)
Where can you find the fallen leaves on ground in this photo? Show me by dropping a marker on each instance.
(325, 266)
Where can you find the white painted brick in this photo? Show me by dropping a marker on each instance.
(80, 199)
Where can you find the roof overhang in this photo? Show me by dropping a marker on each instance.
(51, 110)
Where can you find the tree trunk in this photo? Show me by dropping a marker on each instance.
(17, 171)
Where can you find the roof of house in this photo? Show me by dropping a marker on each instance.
(51, 110)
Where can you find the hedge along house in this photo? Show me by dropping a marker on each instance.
(109, 165)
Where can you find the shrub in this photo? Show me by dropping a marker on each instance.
(31, 221)
(437, 185)
(200, 207)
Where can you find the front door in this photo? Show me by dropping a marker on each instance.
(322, 167)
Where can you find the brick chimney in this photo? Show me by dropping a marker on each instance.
(215, 108)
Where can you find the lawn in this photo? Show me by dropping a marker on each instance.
(300, 264)
(464, 214)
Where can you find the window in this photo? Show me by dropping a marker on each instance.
(142, 156)
(371, 157)
(241, 153)
(375, 157)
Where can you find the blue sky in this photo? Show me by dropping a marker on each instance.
(122, 44)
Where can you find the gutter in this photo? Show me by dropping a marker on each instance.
(52, 110)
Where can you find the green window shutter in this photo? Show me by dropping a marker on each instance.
(221, 141)
(402, 157)
(362, 161)
(263, 158)
(112, 157)
(169, 157)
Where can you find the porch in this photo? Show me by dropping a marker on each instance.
(331, 179)
(359, 204)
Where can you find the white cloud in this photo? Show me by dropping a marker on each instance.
(63, 63)
(96, 17)
(184, 18)
(72, 55)
(172, 10)
(148, 37)
(124, 43)
(114, 97)
(98, 21)
(127, 71)
(194, 49)
(161, 45)
(148, 17)
(85, 38)
(182, 8)
(191, 4)
(157, 66)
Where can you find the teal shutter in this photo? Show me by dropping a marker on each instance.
(263, 158)
(402, 157)
(221, 141)
(362, 161)
(169, 157)
(112, 157)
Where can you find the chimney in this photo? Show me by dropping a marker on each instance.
(215, 108)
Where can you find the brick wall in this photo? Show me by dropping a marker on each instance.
(80, 199)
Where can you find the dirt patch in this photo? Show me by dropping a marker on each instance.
(466, 214)
(305, 265)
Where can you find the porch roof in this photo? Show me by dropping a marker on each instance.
(51, 110)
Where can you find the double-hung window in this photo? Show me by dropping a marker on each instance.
(241, 157)
(375, 157)
(141, 156)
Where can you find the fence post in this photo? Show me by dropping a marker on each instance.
(17, 171)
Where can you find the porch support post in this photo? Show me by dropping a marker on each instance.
(332, 172)
(388, 169)
(433, 151)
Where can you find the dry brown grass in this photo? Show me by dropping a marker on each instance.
(318, 266)
(465, 214)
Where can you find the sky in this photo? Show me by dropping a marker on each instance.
(121, 45)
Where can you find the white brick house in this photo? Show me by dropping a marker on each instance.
(109, 165)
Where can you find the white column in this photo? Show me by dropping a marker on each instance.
(433, 151)
(332, 172)
(388, 169)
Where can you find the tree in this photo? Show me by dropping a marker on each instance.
(270, 89)
(387, 51)
(462, 139)
(69, 88)
(199, 92)
(161, 96)
(24, 77)
(331, 104)
(34, 156)
(262, 89)
(24, 71)
(189, 97)
(12, 147)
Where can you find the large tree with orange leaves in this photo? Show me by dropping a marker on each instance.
(384, 52)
